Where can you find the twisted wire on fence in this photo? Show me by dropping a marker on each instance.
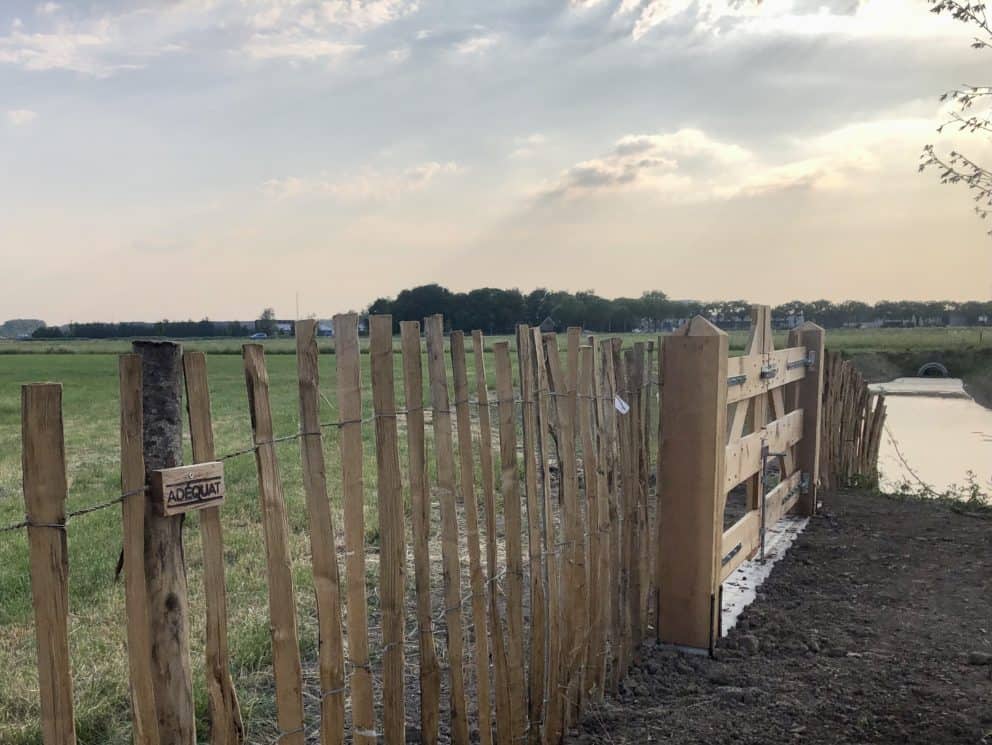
(27, 523)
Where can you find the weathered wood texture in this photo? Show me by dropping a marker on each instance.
(275, 529)
(226, 725)
(450, 553)
(139, 644)
(420, 505)
(349, 390)
(510, 489)
(504, 725)
(538, 581)
(323, 545)
(470, 505)
(45, 493)
(392, 544)
(852, 424)
(165, 564)
(547, 444)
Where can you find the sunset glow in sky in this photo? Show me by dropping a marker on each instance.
(188, 158)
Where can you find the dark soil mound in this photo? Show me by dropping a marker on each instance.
(875, 628)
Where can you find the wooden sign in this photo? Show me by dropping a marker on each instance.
(186, 488)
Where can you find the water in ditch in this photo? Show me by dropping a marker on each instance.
(935, 433)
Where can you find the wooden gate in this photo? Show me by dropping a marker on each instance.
(724, 421)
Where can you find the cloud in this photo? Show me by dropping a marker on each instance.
(369, 185)
(295, 47)
(528, 145)
(654, 162)
(476, 44)
(854, 18)
(689, 166)
(21, 117)
(100, 45)
(60, 50)
(313, 29)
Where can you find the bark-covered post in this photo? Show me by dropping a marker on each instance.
(165, 565)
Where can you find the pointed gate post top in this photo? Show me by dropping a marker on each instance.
(699, 326)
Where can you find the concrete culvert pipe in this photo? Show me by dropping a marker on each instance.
(932, 370)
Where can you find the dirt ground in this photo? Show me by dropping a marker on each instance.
(875, 628)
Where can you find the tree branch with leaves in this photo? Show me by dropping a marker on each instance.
(971, 113)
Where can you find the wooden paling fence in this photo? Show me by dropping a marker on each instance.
(557, 558)
(853, 422)
(565, 542)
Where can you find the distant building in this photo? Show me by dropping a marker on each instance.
(547, 325)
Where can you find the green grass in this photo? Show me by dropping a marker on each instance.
(97, 634)
(88, 372)
(850, 340)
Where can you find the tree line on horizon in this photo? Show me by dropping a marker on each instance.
(498, 311)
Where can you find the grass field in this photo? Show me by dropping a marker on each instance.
(88, 372)
(872, 340)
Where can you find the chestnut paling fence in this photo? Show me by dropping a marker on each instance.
(545, 480)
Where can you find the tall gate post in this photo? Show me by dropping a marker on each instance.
(811, 336)
(691, 467)
(165, 564)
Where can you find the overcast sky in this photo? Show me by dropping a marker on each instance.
(189, 158)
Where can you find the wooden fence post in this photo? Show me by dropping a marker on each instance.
(420, 506)
(463, 423)
(510, 488)
(810, 336)
(165, 565)
(553, 712)
(450, 554)
(349, 386)
(226, 726)
(693, 445)
(504, 726)
(591, 477)
(323, 546)
(139, 645)
(275, 530)
(538, 589)
(392, 549)
(45, 492)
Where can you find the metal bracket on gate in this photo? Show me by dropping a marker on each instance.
(736, 380)
(808, 361)
(733, 552)
(768, 371)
